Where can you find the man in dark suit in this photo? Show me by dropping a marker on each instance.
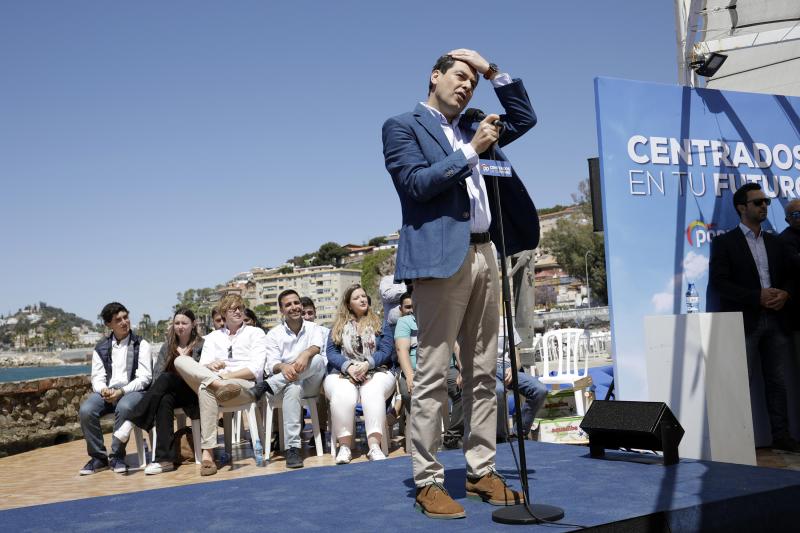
(751, 272)
(433, 156)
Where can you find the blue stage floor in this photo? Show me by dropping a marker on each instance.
(375, 497)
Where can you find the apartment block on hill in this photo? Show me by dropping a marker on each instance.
(324, 284)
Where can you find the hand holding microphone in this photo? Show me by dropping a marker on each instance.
(488, 131)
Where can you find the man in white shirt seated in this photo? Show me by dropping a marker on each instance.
(121, 370)
(310, 315)
(231, 362)
(296, 368)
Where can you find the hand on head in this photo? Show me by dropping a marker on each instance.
(470, 57)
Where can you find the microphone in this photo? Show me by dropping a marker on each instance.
(473, 115)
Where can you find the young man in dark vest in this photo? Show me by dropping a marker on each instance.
(121, 371)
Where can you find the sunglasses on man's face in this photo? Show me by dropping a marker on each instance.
(794, 214)
(758, 202)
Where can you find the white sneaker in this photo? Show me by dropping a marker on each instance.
(344, 456)
(375, 454)
(158, 468)
(124, 431)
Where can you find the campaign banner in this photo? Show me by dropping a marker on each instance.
(671, 158)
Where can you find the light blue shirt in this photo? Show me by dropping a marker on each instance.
(759, 252)
(406, 328)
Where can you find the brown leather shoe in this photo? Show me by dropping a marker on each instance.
(493, 488)
(434, 502)
(228, 391)
(208, 468)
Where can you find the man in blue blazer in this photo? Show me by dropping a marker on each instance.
(433, 156)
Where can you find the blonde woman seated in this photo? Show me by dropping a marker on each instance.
(361, 367)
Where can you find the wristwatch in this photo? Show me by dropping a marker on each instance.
(491, 72)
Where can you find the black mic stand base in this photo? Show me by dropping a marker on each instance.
(522, 513)
(519, 514)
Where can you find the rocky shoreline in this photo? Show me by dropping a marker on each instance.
(15, 361)
(67, 357)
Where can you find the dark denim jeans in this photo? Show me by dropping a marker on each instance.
(95, 407)
(768, 348)
(534, 393)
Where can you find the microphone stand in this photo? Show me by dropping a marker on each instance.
(523, 513)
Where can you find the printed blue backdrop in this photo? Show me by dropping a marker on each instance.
(671, 158)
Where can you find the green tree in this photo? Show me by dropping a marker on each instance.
(330, 253)
(264, 310)
(300, 260)
(573, 241)
(371, 274)
(198, 300)
(377, 241)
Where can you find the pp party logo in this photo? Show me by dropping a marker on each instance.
(699, 233)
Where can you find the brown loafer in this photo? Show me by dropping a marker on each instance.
(434, 502)
(208, 468)
(492, 488)
(227, 392)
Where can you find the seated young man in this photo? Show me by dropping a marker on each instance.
(217, 318)
(121, 370)
(531, 389)
(310, 315)
(231, 362)
(296, 368)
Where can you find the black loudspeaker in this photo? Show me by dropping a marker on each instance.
(643, 425)
(594, 193)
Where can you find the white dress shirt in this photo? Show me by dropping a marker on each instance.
(247, 348)
(283, 346)
(759, 252)
(119, 370)
(480, 213)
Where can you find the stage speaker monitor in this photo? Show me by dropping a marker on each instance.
(594, 194)
(642, 425)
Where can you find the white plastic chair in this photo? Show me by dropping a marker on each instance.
(236, 424)
(253, 421)
(196, 437)
(568, 346)
(271, 405)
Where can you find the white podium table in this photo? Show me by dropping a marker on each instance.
(697, 365)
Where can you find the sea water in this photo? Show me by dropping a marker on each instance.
(22, 373)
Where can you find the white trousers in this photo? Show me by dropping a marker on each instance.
(372, 395)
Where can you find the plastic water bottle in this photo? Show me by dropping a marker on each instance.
(258, 450)
(692, 300)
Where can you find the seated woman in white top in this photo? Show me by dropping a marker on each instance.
(361, 367)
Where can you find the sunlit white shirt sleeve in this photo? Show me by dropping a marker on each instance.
(98, 373)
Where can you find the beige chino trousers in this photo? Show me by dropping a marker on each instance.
(463, 307)
(198, 377)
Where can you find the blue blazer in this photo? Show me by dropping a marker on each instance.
(429, 178)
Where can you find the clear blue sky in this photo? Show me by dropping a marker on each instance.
(153, 146)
